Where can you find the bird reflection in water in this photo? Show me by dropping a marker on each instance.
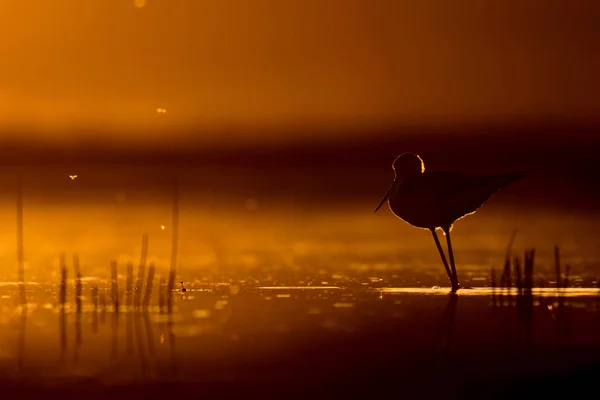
(443, 338)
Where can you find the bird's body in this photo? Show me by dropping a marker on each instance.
(436, 199)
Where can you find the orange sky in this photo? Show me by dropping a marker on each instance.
(101, 64)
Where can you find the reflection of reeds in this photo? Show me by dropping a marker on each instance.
(172, 348)
(139, 335)
(114, 285)
(559, 311)
(505, 276)
(129, 333)
(149, 284)
(78, 337)
(62, 324)
(114, 343)
(524, 299)
(78, 306)
(114, 348)
(524, 281)
(139, 285)
(149, 334)
(21, 344)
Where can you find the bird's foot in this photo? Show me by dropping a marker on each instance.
(455, 288)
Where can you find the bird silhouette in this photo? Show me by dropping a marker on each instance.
(437, 199)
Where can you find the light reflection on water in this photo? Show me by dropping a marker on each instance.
(298, 288)
(488, 291)
(220, 334)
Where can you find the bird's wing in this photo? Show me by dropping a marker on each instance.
(432, 186)
(455, 184)
(436, 187)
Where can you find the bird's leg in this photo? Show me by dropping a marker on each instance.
(439, 247)
(455, 285)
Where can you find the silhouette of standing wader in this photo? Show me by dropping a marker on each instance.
(437, 199)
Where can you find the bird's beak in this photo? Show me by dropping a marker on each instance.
(392, 186)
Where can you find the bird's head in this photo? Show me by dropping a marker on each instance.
(405, 166)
